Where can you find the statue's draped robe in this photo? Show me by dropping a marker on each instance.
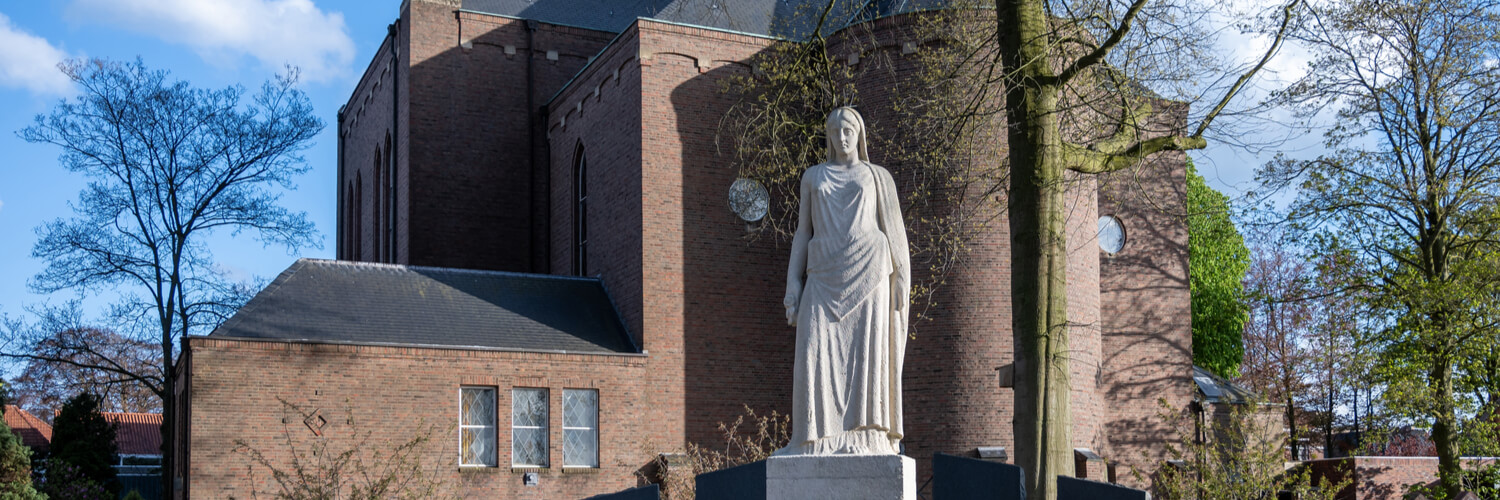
(851, 334)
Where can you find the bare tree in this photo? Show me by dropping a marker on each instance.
(44, 386)
(168, 165)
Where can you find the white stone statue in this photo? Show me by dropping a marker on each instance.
(847, 293)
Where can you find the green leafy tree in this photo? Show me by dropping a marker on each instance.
(15, 460)
(1410, 191)
(1217, 262)
(84, 441)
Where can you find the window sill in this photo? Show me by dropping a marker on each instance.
(580, 470)
(525, 469)
(477, 469)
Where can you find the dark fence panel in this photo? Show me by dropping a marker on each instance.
(647, 492)
(1072, 488)
(148, 486)
(746, 482)
(963, 478)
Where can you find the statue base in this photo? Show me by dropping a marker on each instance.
(872, 477)
(820, 477)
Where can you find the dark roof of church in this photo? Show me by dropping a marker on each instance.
(366, 303)
(785, 18)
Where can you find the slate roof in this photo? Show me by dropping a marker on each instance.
(34, 433)
(136, 433)
(1215, 389)
(785, 18)
(366, 303)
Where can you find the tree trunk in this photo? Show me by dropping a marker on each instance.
(168, 428)
(1038, 250)
(1444, 431)
(1291, 423)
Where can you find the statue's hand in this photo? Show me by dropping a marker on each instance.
(793, 297)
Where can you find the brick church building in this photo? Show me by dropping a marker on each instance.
(536, 258)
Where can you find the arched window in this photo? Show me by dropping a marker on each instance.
(379, 205)
(390, 212)
(348, 223)
(580, 213)
(359, 220)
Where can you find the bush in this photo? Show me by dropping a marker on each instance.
(677, 472)
(1231, 456)
(82, 438)
(15, 468)
(65, 480)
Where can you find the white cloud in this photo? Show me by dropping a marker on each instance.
(29, 62)
(275, 32)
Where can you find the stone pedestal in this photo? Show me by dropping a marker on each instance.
(839, 477)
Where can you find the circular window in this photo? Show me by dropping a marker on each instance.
(1111, 234)
(749, 199)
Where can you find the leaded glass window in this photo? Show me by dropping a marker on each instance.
(476, 427)
(528, 427)
(580, 428)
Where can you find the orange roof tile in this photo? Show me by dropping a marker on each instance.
(136, 433)
(33, 432)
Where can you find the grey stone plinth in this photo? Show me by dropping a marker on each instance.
(839, 477)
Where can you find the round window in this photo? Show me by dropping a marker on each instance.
(749, 199)
(1111, 234)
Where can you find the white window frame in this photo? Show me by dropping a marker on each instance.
(494, 424)
(595, 428)
(546, 419)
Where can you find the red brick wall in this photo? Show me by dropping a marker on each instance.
(607, 128)
(703, 298)
(472, 172)
(365, 132)
(1382, 478)
(709, 279)
(463, 145)
(1146, 320)
(391, 393)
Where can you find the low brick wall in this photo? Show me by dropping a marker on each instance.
(1382, 478)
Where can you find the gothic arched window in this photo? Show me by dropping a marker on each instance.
(580, 213)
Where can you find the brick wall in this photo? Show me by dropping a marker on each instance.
(1147, 336)
(390, 394)
(473, 174)
(1383, 478)
(469, 180)
(367, 140)
(701, 293)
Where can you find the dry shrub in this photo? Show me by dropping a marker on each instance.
(750, 438)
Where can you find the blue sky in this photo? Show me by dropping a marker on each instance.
(216, 43)
(210, 43)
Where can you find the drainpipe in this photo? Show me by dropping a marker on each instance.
(393, 32)
(338, 188)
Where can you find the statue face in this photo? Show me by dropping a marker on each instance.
(844, 134)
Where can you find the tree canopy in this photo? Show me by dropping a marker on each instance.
(1409, 191)
(1217, 262)
(85, 441)
(168, 165)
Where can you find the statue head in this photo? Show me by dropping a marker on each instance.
(846, 134)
